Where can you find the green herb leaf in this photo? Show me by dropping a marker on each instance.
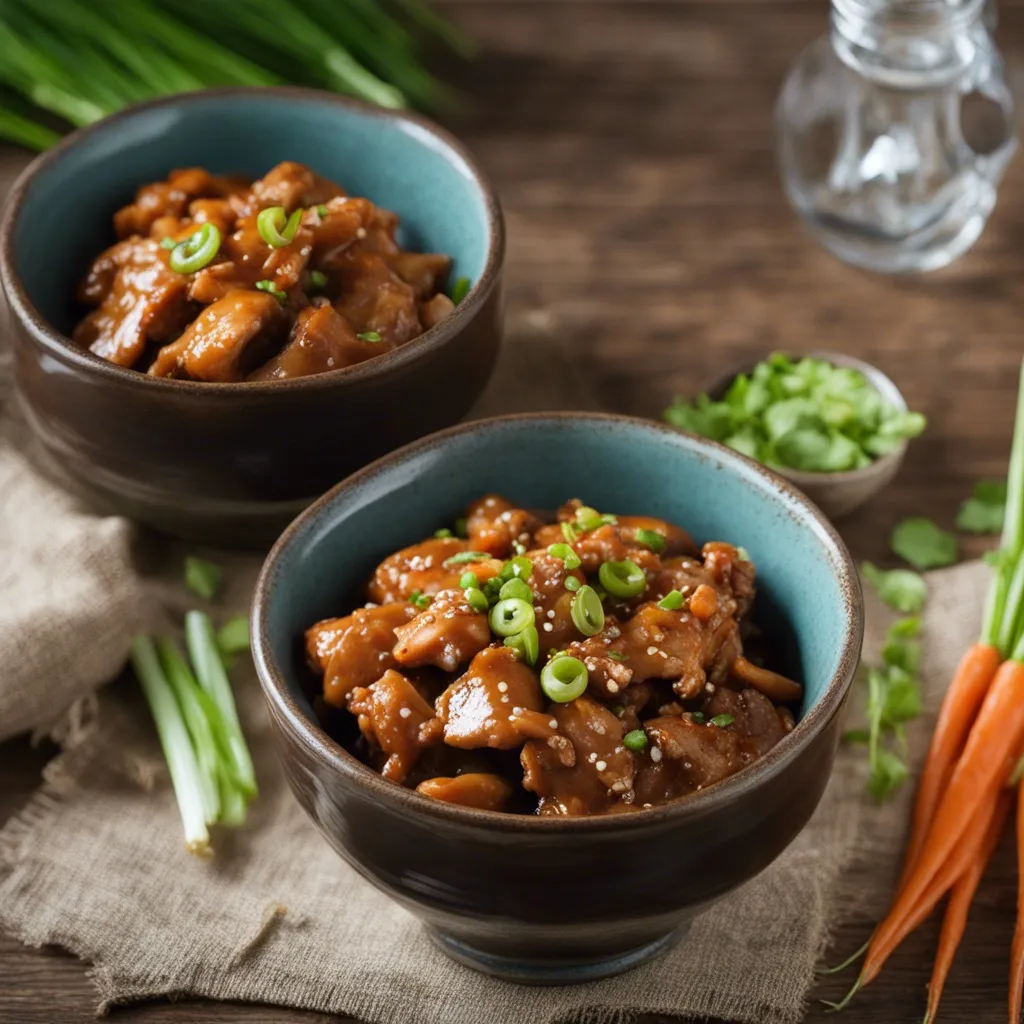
(202, 577)
(888, 773)
(371, 336)
(856, 736)
(898, 588)
(460, 289)
(722, 720)
(921, 543)
(985, 510)
(233, 636)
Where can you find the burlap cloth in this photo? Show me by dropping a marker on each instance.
(95, 862)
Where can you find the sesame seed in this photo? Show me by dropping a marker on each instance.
(658, 637)
(503, 686)
(550, 613)
(647, 807)
(652, 650)
(405, 712)
(517, 711)
(548, 628)
(655, 754)
(710, 687)
(592, 757)
(662, 654)
(553, 722)
(601, 765)
(613, 687)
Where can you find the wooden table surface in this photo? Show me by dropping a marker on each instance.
(632, 144)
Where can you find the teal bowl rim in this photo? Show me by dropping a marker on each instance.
(328, 751)
(62, 347)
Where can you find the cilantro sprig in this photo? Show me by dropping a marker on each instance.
(901, 589)
(985, 510)
(923, 544)
(806, 414)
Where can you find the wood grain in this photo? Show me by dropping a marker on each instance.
(632, 144)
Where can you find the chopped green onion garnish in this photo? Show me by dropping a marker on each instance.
(587, 612)
(233, 636)
(321, 210)
(372, 336)
(569, 557)
(722, 720)
(202, 577)
(635, 740)
(569, 533)
(168, 243)
(276, 228)
(196, 251)
(421, 600)
(271, 289)
(519, 549)
(527, 643)
(511, 616)
(476, 599)
(572, 584)
(616, 655)
(468, 580)
(518, 589)
(460, 289)
(563, 678)
(651, 539)
(466, 556)
(460, 527)
(317, 279)
(443, 532)
(588, 519)
(623, 579)
(519, 567)
(672, 601)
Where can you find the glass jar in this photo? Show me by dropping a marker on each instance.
(873, 125)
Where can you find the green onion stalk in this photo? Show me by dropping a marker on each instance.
(79, 61)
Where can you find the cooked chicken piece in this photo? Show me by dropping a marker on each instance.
(608, 669)
(684, 756)
(494, 524)
(423, 567)
(481, 790)
(477, 709)
(356, 650)
(292, 185)
(140, 300)
(447, 634)
(600, 773)
(434, 310)
(424, 272)
(172, 198)
(342, 225)
(226, 340)
(395, 719)
(677, 540)
(321, 340)
(552, 603)
(757, 723)
(732, 573)
(661, 644)
(372, 298)
(601, 545)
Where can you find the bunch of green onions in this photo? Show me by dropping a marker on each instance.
(80, 60)
(196, 719)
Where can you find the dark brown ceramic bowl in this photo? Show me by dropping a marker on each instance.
(234, 462)
(554, 900)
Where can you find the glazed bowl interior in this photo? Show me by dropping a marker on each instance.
(65, 217)
(808, 595)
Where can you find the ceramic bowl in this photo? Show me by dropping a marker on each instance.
(839, 494)
(549, 900)
(234, 463)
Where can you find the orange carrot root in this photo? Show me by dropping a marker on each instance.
(1017, 949)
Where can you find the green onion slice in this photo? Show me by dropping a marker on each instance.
(635, 740)
(321, 211)
(527, 643)
(466, 556)
(476, 599)
(587, 612)
(569, 557)
(722, 720)
(622, 579)
(572, 584)
(196, 251)
(317, 279)
(569, 533)
(672, 601)
(167, 243)
(511, 616)
(276, 228)
(516, 588)
(468, 580)
(271, 289)
(563, 678)
(651, 539)
(373, 336)
(460, 289)
(421, 600)
(443, 532)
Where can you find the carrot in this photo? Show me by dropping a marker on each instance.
(964, 854)
(1017, 949)
(955, 921)
(966, 691)
(993, 740)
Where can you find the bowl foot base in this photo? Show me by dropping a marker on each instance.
(528, 971)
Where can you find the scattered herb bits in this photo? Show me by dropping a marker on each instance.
(805, 414)
(923, 544)
(985, 510)
(901, 589)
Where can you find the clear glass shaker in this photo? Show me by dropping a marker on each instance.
(873, 124)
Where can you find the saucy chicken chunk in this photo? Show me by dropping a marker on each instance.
(597, 664)
(282, 277)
